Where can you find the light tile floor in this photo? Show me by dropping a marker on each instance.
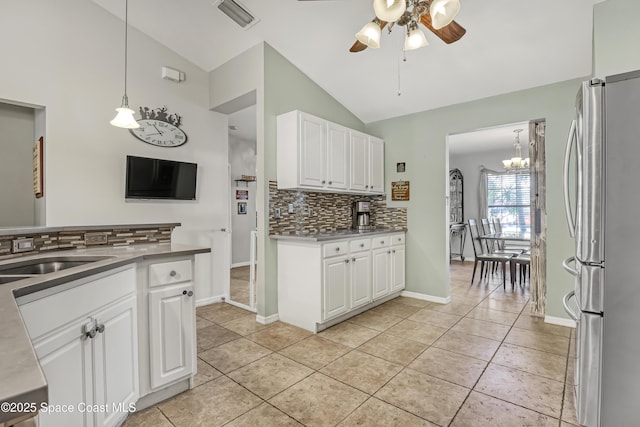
(481, 360)
(239, 285)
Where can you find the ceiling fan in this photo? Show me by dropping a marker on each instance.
(436, 15)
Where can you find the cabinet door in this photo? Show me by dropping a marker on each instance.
(360, 279)
(376, 165)
(335, 286)
(397, 268)
(381, 273)
(171, 334)
(312, 151)
(359, 177)
(116, 361)
(337, 156)
(66, 360)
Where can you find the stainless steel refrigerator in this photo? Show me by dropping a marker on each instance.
(602, 201)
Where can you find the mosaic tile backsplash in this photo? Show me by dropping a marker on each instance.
(329, 211)
(47, 241)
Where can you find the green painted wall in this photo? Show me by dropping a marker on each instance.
(286, 88)
(420, 141)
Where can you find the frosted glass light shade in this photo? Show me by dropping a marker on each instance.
(415, 39)
(370, 35)
(389, 10)
(443, 12)
(507, 164)
(125, 119)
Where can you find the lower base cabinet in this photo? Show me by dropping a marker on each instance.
(86, 341)
(320, 282)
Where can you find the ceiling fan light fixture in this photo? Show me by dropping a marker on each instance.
(370, 35)
(389, 10)
(443, 12)
(415, 38)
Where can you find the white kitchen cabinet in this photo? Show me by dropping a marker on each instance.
(335, 286)
(85, 338)
(171, 314)
(316, 154)
(321, 283)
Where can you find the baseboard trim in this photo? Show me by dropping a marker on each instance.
(426, 297)
(560, 321)
(266, 320)
(210, 300)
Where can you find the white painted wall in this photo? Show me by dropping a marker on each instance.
(16, 141)
(242, 158)
(67, 55)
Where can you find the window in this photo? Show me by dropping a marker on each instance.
(508, 199)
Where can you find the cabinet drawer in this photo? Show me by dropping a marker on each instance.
(337, 248)
(380, 241)
(360, 245)
(169, 272)
(397, 239)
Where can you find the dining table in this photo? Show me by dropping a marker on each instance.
(508, 235)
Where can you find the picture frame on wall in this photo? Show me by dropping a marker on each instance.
(242, 208)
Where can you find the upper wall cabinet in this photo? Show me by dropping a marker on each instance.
(319, 155)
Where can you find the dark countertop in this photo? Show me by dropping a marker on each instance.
(21, 378)
(12, 231)
(326, 236)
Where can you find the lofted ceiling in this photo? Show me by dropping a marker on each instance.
(509, 45)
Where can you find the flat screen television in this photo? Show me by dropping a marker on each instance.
(160, 179)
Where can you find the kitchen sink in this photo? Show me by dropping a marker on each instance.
(44, 265)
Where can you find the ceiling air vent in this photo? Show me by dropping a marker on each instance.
(238, 13)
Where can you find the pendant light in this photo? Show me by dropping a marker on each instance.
(517, 163)
(443, 12)
(124, 118)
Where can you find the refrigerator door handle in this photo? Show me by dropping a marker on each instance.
(565, 187)
(567, 267)
(565, 303)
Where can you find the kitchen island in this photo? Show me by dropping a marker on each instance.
(24, 390)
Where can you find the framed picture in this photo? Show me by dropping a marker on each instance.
(400, 167)
(242, 208)
(242, 194)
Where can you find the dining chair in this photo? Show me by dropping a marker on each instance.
(523, 261)
(483, 256)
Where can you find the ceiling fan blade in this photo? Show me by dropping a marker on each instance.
(449, 34)
(358, 46)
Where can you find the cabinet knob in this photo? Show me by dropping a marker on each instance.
(337, 249)
(382, 242)
(190, 293)
(362, 245)
(366, 186)
(100, 328)
(323, 181)
(172, 273)
(346, 261)
(388, 252)
(399, 239)
(330, 182)
(89, 332)
(353, 259)
(394, 251)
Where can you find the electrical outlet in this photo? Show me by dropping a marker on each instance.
(290, 208)
(310, 212)
(276, 212)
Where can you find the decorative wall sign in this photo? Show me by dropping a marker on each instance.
(159, 128)
(242, 208)
(242, 194)
(400, 190)
(38, 172)
(400, 167)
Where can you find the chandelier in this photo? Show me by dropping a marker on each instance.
(517, 163)
(408, 13)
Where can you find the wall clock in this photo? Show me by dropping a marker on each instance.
(159, 128)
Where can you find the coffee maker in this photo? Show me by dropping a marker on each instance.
(361, 214)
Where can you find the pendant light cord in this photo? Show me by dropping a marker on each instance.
(125, 98)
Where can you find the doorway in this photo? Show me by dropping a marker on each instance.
(479, 154)
(242, 194)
